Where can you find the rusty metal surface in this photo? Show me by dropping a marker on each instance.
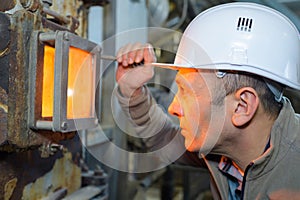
(9, 188)
(31, 5)
(48, 24)
(4, 67)
(7, 5)
(64, 174)
(57, 195)
(68, 8)
(20, 159)
(75, 11)
(22, 24)
(89, 3)
(69, 22)
(15, 34)
(4, 33)
(3, 115)
(18, 134)
(21, 169)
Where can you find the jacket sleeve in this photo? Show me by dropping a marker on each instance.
(158, 131)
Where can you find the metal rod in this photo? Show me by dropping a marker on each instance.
(108, 57)
(56, 15)
(44, 125)
(47, 37)
(162, 65)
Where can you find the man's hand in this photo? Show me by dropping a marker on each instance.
(131, 79)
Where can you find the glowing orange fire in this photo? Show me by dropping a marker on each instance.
(81, 87)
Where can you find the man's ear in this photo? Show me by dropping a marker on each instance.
(246, 105)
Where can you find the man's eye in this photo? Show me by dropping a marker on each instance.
(181, 89)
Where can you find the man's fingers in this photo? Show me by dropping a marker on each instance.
(136, 53)
(120, 54)
(149, 55)
(128, 54)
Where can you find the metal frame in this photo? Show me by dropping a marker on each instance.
(62, 41)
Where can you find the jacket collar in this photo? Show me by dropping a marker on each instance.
(283, 134)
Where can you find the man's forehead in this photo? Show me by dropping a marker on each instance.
(190, 73)
(186, 74)
(196, 77)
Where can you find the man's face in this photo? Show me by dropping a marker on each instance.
(201, 121)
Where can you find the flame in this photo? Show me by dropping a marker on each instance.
(81, 84)
(48, 82)
(81, 78)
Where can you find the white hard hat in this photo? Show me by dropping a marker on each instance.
(243, 37)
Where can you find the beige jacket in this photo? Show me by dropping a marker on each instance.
(274, 175)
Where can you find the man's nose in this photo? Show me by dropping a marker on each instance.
(175, 108)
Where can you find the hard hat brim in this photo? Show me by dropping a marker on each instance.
(231, 67)
(171, 66)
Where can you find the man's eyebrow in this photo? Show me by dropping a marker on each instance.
(180, 80)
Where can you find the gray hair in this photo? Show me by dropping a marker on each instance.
(232, 81)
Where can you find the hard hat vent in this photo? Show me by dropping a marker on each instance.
(244, 24)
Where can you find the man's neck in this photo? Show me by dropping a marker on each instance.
(250, 144)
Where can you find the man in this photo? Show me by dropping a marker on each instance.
(233, 62)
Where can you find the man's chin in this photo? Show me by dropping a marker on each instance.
(191, 147)
(204, 150)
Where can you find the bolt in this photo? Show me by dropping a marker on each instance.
(64, 125)
(97, 48)
(66, 37)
